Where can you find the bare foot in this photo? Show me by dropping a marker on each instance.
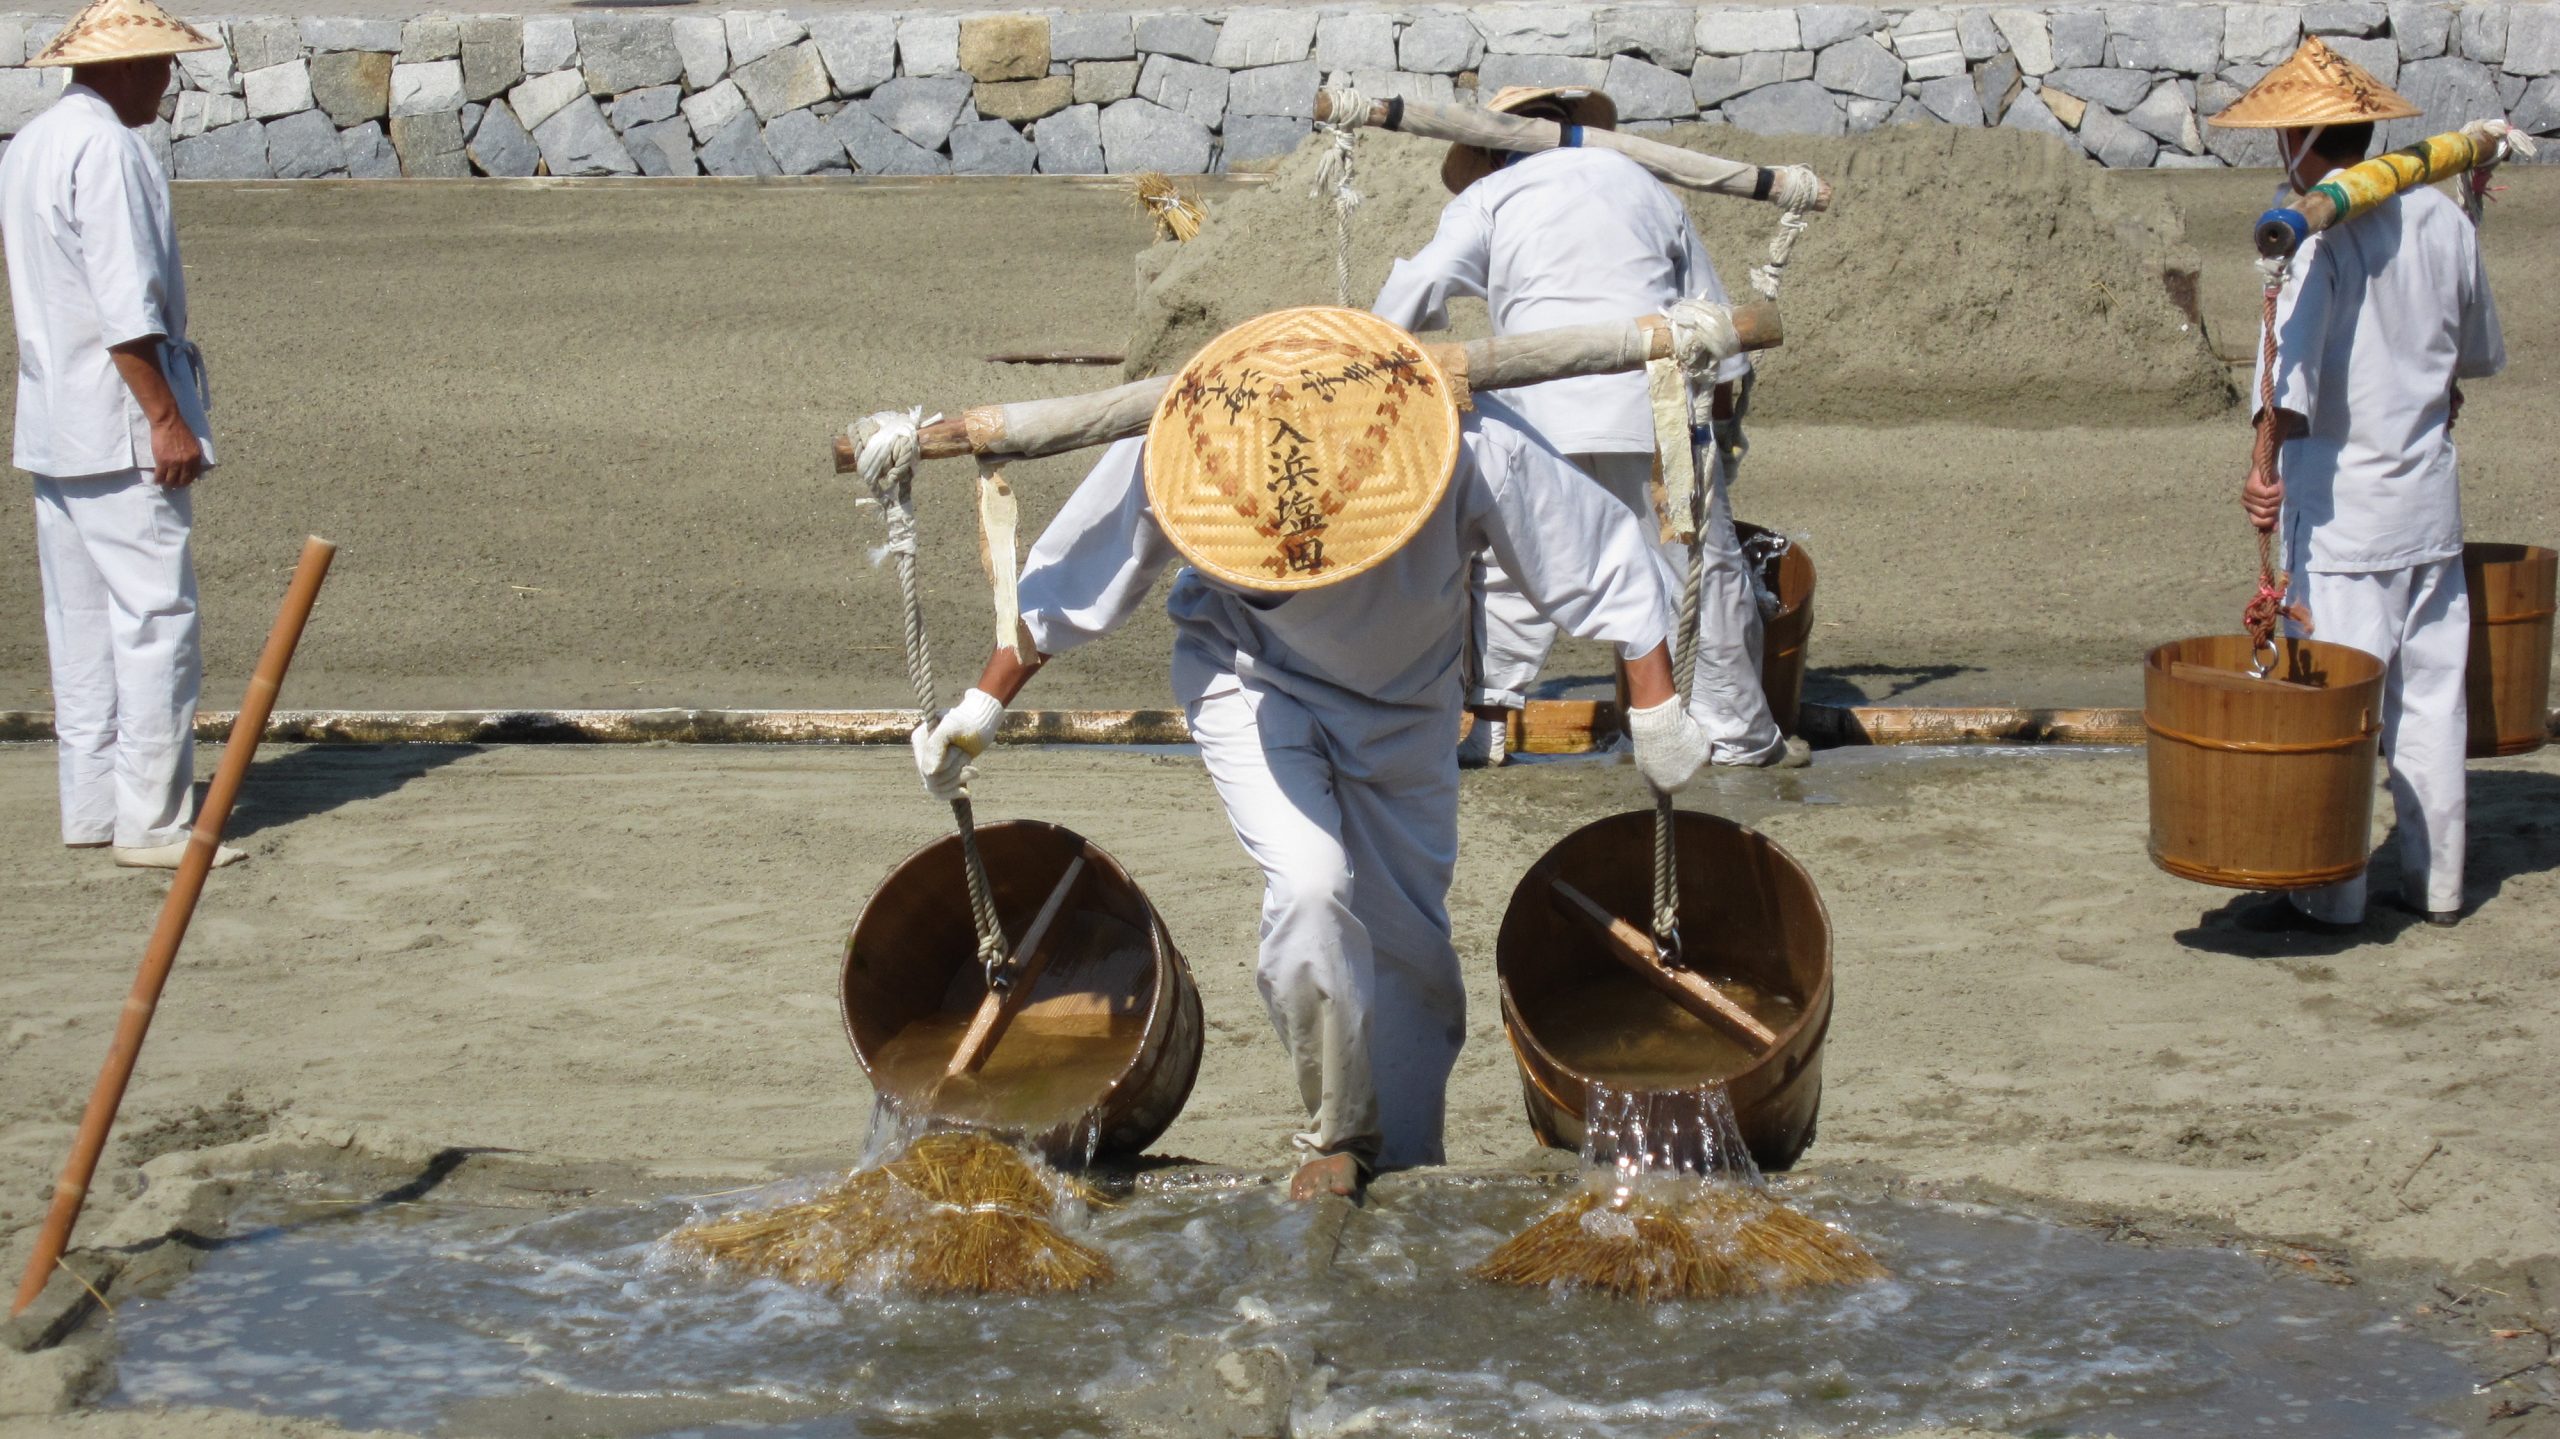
(1327, 1174)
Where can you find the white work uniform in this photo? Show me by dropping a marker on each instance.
(1328, 720)
(93, 263)
(2376, 321)
(1577, 237)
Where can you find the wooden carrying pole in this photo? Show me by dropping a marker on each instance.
(72, 1189)
(1687, 988)
(1032, 428)
(1493, 130)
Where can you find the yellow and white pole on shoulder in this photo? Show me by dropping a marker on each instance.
(2358, 188)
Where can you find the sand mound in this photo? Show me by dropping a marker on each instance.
(1979, 274)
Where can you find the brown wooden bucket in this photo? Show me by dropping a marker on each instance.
(2509, 689)
(2261, 784)
(1750, 920)
(1782, 646)
(1112, 1028)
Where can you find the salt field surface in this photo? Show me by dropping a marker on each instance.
(431, 1317)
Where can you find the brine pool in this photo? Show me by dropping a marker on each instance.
(435, 1317)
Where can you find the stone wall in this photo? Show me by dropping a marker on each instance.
(819, 93)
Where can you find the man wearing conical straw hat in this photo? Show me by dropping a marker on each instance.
(1312, 474)
(2377, 321)
(1569, 236)
(111, 422)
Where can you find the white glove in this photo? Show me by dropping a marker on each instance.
(1669, 744)
(944, 748)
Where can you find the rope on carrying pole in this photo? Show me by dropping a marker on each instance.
(1684, 668)
(887, 451)
(1796, 190)
(2267, 609)
(1333, 182)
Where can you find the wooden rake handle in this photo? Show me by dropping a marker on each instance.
(997, 1011)
(1687, 988)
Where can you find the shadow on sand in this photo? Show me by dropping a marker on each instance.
(319, 778)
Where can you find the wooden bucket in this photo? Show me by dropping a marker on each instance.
(2509, 688)
(1784, 634)
(1750, 920)
(2261, 784)
(1112, 1029)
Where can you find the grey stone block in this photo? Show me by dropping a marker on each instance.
(1861, 116)
(754, 34)
(1439, 44)
(2113, 143)
(1078, 35)
(788, 79)
(1996, 82)
(367, 153)
(2263, 33)
(1364, 41)
(1264, 37)
(2079, 38)
(1821, 26)
(263, 42)
(1647, 91)
(710, 111)
(195, 113)
(212, 70)
(878, 150)
(426, 89)
(1282, 90)
(430, 146)
(2511, 88)
(738, 150)
(1739, 31)
(304, 147)
(577, 141)
(1859, 66)
(1934, 67)
(492, 56)
(550, 43)
(430, 38)
(501, 146)
(1799, 107)
(1184, 37)
(1917, 44)
(2028, 113)
(2029, 39)
(1099, 82)
(1070, 142)
(1260, 137)
(277, 89)
(645, 107)
(2483, 32)
(2165, 116)
(2538, 112)
(2423, 30)
(860, 51)
(2356, 18)
(352, 85)
(664, 148)
(1663, 34)
(1535, 30)
(322, 34)
(928, 45)
(991, 147)
(2183, 38)
(1498, 72)
(2533, 40)
(1139, 134)
(2380, 56)
(627, 52)
(1952, 99)
(471, 121)
(1718, 78)
(1397, 85)
(1978, 34)
(801, 143)
(2450, 91)
(1199, 91)
(923, 110)
(702, 42)
(2232, 147)
(2118, 90)
(541, 97)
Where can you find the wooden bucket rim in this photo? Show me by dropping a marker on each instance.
(1787, 608)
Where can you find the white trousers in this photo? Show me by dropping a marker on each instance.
(1356, 966)
(122, 632)
(1511, 638)
(2417, 621)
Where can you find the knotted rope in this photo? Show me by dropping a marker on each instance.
(887, 452)
(2267, 609)
(1794, 189)
(1333, 180)
(1684, 668)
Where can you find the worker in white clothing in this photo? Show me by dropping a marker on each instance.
(1573, 236)
(111, 422)
(1312, 470)
(2378, 320)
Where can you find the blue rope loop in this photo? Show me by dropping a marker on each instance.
(1573, 137)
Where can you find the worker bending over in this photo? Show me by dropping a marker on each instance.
(1312, 470)
(2378, 319)
(1574, 236)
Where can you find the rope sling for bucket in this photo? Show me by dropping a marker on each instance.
(1333, 182)
(2267, 609)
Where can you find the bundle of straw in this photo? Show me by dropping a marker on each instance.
(1677, 1237)
(1178, 216)
(959, 1212)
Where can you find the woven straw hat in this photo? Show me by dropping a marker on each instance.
(1300, 448)
(1592, 109)
(122, 30)
(2317, 86)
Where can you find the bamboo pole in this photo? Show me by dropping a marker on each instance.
(1032, 428)
(71, 1191)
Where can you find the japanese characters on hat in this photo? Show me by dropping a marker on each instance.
(2316, 86)
(122, 30)
(1301, 448)
(1466, 164)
